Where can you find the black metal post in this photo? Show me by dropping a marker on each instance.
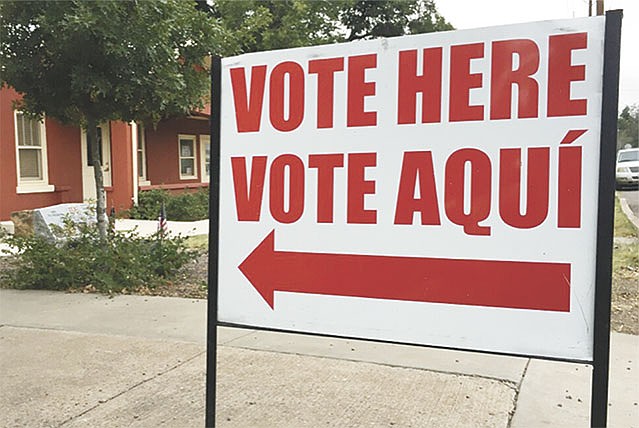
(605, 220)
(214, 222)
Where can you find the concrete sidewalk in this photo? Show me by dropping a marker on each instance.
(149, 227)
(79, 360)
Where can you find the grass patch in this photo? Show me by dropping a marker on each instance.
(198, 242)
(625, 259)
(625, 275)
(625, 255)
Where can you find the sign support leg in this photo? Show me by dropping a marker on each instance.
(214, 222)
(601, 352)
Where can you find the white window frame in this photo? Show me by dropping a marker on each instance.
(32, 185)
(141, 148)
(204, 140)
(180, 157)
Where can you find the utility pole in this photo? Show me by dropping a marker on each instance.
(600, 7)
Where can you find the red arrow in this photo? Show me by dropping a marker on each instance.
(506, 284)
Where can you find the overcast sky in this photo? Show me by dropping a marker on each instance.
(483, 13)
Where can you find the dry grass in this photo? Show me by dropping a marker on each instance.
(625, 275)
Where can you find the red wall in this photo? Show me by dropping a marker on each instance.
(65, 160)
(162, 150)
(63, 156)
(65, 163)
(121, 194)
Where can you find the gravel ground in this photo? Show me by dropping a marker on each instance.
(625, 288)
(625, 305)
(191, 281)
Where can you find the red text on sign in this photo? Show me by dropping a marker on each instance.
(287, 89)
(287, 192)
(523, 187)
(504, 78)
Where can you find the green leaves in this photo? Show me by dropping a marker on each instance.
(628, 127)
(112, 60)
(145, 60)
(388, 18)
(278, 24)
(187, 206)
(125, 261)
(272, 24)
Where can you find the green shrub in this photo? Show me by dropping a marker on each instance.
(125, 260)
(187, 206)
(148, 206)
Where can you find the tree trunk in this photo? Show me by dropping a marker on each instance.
(94, 156)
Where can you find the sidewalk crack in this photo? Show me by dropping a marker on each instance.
(228, 342)
(142, 382)
(511, 414)
(506, 382)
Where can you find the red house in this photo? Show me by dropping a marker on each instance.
(45, 163)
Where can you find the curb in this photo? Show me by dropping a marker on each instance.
(628, 212)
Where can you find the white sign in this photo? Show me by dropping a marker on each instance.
(438, 189)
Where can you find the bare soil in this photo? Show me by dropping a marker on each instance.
(625, 286)
(191, 282)
(624, 317)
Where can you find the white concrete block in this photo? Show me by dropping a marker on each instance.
(7, 226)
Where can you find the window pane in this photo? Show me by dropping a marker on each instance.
(207, 161)
(141, 156)
(140, 164)
(28, 131)
(35, 133)
(140, 135)
(186, 148)
(187, 166)
(30, 163)
(20, 126)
